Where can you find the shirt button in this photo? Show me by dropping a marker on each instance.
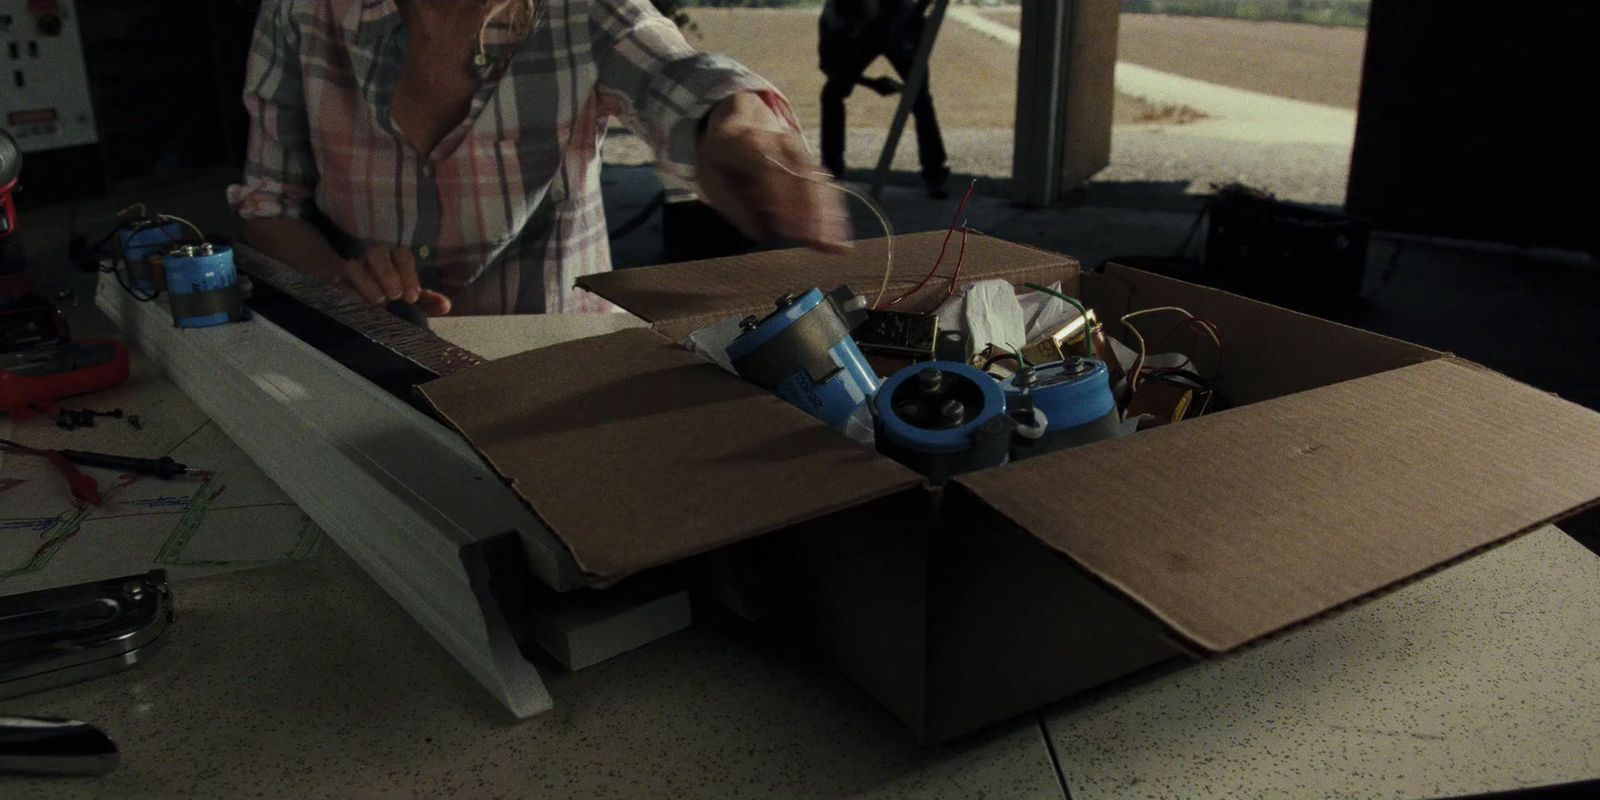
(427, 169)
(423, 251)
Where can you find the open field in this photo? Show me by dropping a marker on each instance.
(974, 87)
(1304, 62)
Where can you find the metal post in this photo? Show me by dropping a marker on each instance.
(1037, 150)
(915, 82)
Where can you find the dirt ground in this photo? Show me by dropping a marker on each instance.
(974, 77)
(974, 88)
(1303, 62)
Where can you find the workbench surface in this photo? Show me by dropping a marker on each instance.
(304, 679)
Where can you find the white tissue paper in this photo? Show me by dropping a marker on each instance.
(991, 312)
(712, 341)
(1045, 312)
(988, 311)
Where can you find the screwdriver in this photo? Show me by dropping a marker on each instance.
(164, 467)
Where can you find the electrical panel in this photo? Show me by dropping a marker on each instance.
(44, 85)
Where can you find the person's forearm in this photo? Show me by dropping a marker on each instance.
(297, 243)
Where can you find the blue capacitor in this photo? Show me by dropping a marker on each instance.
(803, 352)
(1071, 393)
(139, 242)
(202, 285)
(942, 418)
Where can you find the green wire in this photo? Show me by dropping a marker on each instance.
(1088, 345)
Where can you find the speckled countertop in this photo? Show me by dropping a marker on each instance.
(1483, 677)
(305, 680)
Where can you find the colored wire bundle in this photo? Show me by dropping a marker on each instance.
(1136, 375)
(111, 247)
(824, 179)
(1088, 335)
(954, 223)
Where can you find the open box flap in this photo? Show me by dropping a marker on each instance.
(1234, 526)
(1288, 351)
(679, 298)
(638, 453)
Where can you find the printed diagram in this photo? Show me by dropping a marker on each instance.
(230, 516)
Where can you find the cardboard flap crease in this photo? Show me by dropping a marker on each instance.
(1233, 526)
(638, 453)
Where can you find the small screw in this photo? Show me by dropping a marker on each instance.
(1026, 377)
(749, 323)
(952, 412)
(787, 300)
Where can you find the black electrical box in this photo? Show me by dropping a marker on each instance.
(1296, 256)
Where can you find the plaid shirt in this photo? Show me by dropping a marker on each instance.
(505, 214)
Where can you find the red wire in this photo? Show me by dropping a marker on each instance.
(961, 256)
(942, 248)
(82, 486)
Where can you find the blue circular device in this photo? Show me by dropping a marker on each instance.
(909, 406)
(139, 242)
(942, 418)
(1071, 393)
(803, 352)
(202, 285)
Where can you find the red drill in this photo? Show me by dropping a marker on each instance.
(14, 281)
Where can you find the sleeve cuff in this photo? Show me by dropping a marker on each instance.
(678, 157)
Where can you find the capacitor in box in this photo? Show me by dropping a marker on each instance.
(942, 419)
(804, 353)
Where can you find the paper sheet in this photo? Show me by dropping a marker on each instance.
(226, 515)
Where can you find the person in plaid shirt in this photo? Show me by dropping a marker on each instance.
(446, 152)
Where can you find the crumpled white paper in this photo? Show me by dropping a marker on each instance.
(991, 312)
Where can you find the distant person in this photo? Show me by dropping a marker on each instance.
(853, 33)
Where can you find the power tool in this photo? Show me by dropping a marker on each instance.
(14, 281)
(39, 361)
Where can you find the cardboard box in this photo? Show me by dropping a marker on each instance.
(1349, 464)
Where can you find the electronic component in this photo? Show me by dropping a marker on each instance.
(951, 346)
(942, 419)
(898, 333)
(1063, 342)
(15, 282)
(804, 353)
(50, 372)
(47, 102)
(202, 285)
(143, 244)
(1061, 405)
(1159, 403)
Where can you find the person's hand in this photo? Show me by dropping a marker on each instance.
(749, 168)
(385, 273)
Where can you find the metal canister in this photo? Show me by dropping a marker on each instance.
(202, 285)
(143, 248)
(803, 352)
(943, 418)
(1062, 404)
